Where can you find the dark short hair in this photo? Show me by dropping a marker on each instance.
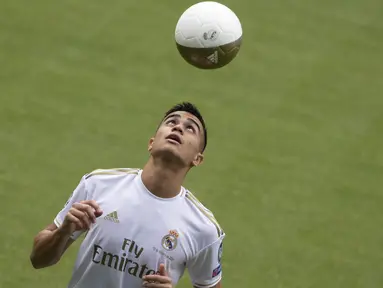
(192, 109)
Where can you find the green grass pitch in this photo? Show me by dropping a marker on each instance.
(294, 165)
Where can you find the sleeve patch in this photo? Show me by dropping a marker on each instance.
(217, 271)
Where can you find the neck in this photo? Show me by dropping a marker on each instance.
(161, 179)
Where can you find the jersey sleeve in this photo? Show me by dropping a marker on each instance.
(79, 194)
(205, 268)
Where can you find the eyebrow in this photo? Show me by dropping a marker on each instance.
(179, 116)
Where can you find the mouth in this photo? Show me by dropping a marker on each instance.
(174, 138)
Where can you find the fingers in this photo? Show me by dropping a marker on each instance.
(85, 210)
(73, 219)
(162, 270)
(94, 205)
(160, 280)
(82, 216)
(157, 280)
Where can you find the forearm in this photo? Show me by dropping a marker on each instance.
(48, 248)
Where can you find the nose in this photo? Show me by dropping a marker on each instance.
(178, 128)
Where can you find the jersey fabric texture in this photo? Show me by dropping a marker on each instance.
(138, 231)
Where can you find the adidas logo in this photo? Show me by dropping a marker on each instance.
(213, 57)
(112, 217)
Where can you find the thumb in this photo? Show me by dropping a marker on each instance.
(98, 213)
(162, 270)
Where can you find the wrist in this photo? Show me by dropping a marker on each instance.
(63, 232)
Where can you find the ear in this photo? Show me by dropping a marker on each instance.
(150, 145)
(198, 160)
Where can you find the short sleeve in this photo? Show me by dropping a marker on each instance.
(205, 268)
(79, 194)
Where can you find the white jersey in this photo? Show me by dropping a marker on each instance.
(138, 231)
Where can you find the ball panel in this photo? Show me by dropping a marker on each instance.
(212, 23)
(188, 42)
(207, 36)
(210, 58)
(188, 25)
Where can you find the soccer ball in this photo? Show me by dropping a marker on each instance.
(208, 35)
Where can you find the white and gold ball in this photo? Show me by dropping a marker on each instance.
(208, 35)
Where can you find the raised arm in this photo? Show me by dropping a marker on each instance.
(77, 215)
(48, 246)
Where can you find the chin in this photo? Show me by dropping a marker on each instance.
(168, 154)
(167, 151)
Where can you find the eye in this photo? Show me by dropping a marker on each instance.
(191, 128)
(171, 121)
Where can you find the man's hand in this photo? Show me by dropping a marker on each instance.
(161, 280)
(50, 243)
(80, 216)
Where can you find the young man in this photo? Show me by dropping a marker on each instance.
(142, 227)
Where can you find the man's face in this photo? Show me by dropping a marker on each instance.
(179, 137)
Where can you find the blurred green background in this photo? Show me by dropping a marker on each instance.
(294, 163)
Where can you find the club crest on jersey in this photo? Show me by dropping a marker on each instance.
(169, 241)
